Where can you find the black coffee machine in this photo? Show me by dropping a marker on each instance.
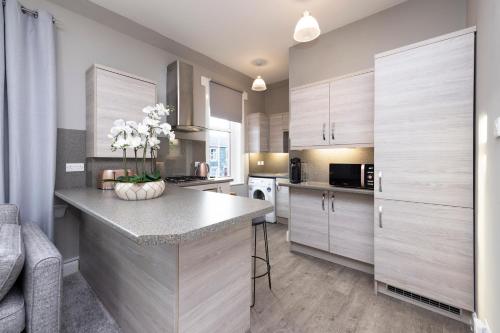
(295, 170)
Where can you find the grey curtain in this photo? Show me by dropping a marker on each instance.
(29, 115)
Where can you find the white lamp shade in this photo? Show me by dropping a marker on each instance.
(259, 84)
(306, 29)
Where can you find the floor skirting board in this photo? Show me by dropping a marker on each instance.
(71, 266)
(354, 264)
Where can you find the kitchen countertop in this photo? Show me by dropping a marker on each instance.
(179, 215)
(204, 182)
(268, 175)
(325, 187)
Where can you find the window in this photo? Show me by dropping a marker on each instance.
(224, 149)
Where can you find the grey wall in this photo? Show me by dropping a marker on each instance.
(488, 161)
(276, 98)
(88, 34)
(351, 48)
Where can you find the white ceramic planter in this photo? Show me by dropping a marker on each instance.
(140, 191)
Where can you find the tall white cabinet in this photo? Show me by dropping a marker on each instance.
(424, 169)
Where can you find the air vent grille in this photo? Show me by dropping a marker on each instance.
(425, 300)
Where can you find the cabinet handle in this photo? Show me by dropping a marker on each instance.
(323, 202)
(277, 188)
(333, 132)
(333, 202)
(380, 217)
(380, 181)
(324, 133)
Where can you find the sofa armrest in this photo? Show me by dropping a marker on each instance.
(9, 214)
(42, 281)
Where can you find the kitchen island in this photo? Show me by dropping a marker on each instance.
(178, 263)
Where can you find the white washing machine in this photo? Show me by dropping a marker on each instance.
(263, 189)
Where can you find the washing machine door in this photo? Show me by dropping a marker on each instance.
(259, 194)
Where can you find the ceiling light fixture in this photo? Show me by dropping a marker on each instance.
(259, 84)
(306, 29)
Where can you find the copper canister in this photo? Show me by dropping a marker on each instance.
(111, 176)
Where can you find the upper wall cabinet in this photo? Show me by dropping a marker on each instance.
(112, 95)
(351, 110)
(278, 133)
(310, 116)
(424, 123)
(339, 112)
(257, 130)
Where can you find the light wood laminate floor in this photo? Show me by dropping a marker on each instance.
(312, 295)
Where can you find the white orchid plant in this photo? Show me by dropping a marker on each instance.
(130, 135)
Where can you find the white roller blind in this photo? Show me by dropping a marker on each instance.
(225, 103)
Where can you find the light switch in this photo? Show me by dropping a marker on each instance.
(75, 167)
(497, 127)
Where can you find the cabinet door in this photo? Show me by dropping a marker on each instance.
(257, 129)
(351, 226)
(310, 116)
(426, 249)
(282, 202)
(424, 118)
(351, 110)
(309, 218)
(276, 133)
(117, 96)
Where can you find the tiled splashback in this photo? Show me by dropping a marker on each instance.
(174, 159)
(317, 160)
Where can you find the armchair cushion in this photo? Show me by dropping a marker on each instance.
(11, 256)
(9, 214)
(12, 314)
(42, 281)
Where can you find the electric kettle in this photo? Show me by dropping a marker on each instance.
(202, 169)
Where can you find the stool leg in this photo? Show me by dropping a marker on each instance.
(264, 226)
(254, 264)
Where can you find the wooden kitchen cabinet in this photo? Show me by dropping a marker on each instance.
(309, 218)
(310, 116)
(112, 95)
(351, 226)
(351, 110)
(277, 129)
(426, 249)
(282, 201)
(257, 130)
(424, 171)
(424, 123)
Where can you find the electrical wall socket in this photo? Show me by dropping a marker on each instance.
(75, 167)
(260, 162)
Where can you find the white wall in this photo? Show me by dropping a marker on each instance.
(351, 48)
(488, 162)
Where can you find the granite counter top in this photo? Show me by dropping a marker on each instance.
(324, 187)
(179, 215)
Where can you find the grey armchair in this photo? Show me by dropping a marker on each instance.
(34, 303)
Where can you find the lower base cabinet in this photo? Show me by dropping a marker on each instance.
(426, 249)
(282, 202)
(337, 222)
(217, 187)
(309, 218)
(351, 226)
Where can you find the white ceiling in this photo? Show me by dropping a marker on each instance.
(236, 32)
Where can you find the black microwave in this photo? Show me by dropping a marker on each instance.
(352, 175)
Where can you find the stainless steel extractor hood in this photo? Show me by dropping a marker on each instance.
(180, 95)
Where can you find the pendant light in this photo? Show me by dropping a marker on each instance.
(306, 29)
(259, 84)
